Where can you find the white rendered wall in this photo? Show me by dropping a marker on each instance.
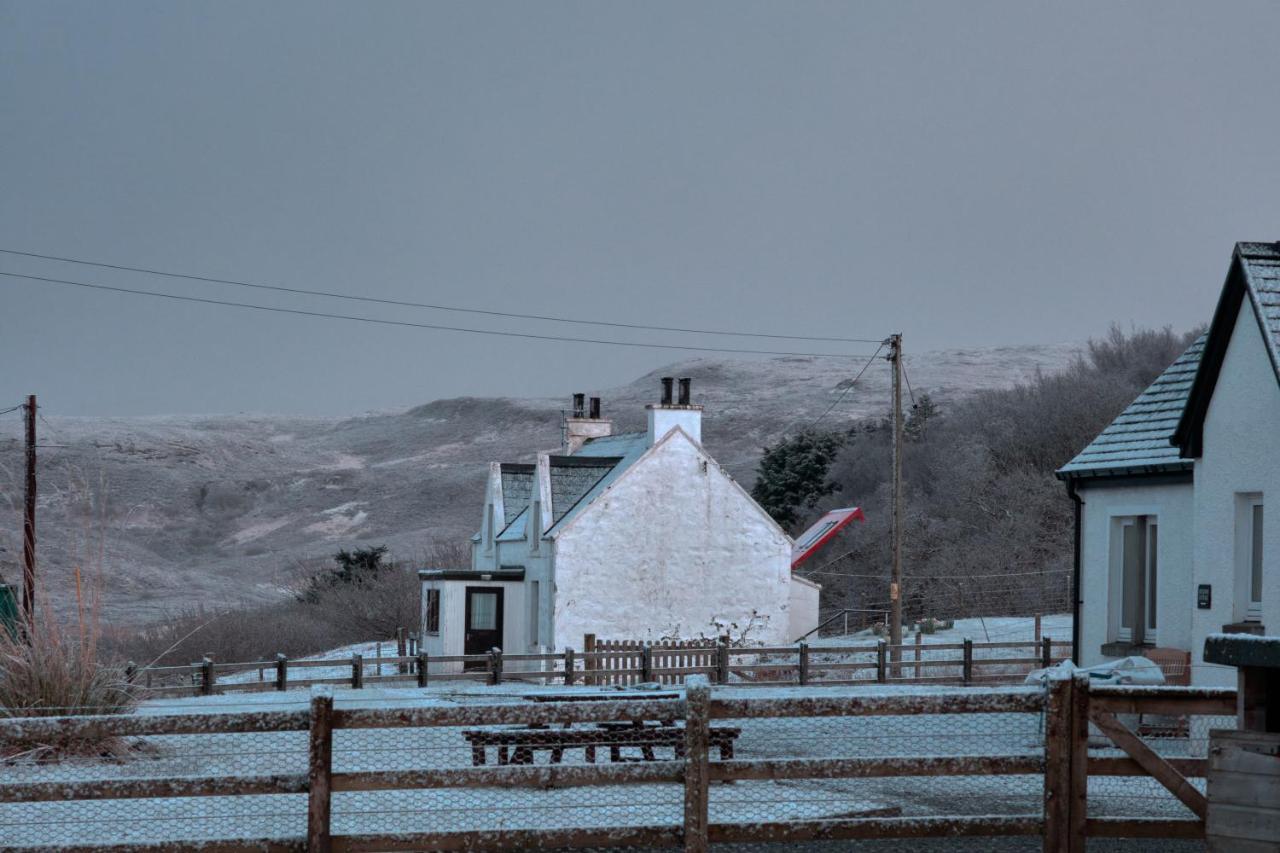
(1172, 504)
(663, 419)
(1241, 454)
(804, 607)
(670, 549)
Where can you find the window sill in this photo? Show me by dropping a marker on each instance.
(1255, 628)
(1124, 649)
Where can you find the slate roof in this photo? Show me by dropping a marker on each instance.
(1261, 264)
(572, 477)
(517, 486)
(624, 449)
(1139, 441)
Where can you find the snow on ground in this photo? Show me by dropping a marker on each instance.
(371, 652)
(475, 809)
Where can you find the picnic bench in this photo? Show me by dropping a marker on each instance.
(519, 745)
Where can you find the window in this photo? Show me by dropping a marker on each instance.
(534, 609)
(1135, 576)
(1249, 557)
(433, 611)
(484, 611)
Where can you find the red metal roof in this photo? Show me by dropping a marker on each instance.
(821, 532)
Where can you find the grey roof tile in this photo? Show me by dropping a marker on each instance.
(1139, 440)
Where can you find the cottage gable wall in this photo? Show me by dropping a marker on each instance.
(1241, 454)
(671, 548)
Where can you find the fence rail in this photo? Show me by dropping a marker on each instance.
(628, 662)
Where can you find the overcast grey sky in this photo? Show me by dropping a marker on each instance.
(968, 173)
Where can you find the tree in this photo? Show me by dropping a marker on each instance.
(792, 474)
(361, 566)
(922, 412)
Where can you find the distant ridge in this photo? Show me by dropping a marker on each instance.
(185, 511)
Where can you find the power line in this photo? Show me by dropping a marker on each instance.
(406, 323)
(403, 304)
(907, 379)
(11, 409)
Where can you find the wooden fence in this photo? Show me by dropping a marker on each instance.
(627, 662)
(1068, 705)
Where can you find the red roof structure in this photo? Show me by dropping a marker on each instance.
(821, 532)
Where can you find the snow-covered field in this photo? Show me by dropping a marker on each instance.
(61, 823)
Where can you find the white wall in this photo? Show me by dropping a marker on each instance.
(671, 547)
(1173, 505)
(803, 606)
(1241, 454)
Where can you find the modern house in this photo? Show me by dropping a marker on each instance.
(638, 536)
(1172, 538)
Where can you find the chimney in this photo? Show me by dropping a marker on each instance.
(666, 415)
(583, 426)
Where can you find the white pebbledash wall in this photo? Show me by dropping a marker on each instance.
(695, 556)
(1241, 454)
(1175, 593)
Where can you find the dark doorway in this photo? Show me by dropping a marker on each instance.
(484, 622)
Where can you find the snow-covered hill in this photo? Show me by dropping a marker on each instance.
(186, 511)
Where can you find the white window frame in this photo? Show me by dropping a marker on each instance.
(1249, 538)
(1148, 587)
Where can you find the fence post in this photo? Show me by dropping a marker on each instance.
(1037, 627)
(1046, 653)
(646, 663)
(589, 664)
(1079, 762)
(130, 672)
(568, 666)
(882, 674)
(422, 669)
(1057, 764)
(357, 671)
(804, 663)
(320, 769)
(722, 661)
(402, 649)
(207, 676)
(968, 661)
(919, 644)
(697, 691)
(495, 666)
(282, 672)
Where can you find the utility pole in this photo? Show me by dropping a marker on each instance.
(29, 521)
(895, 577)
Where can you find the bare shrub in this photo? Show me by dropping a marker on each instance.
(53, 668)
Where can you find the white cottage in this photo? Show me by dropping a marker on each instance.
(1172, 538)
(632, 536)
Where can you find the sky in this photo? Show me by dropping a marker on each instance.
(969, 174)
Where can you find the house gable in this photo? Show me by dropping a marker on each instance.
(1254, 276)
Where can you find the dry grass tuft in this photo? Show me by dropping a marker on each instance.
(52, 669)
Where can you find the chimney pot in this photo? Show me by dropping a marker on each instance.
(595, 409)
(684, 391)
(666, 390)
(578, 405)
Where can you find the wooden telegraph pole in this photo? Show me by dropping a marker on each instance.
(29, 521)
(895, 577)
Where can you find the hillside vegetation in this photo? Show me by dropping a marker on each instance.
(988, 528)
(198, 514)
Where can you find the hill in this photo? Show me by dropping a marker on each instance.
(212, 510)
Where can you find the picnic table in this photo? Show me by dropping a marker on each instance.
(519, 745)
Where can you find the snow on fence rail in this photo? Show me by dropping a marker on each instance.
(901, 762)
(632, 662)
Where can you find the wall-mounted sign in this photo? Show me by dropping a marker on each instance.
(1204, 596)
